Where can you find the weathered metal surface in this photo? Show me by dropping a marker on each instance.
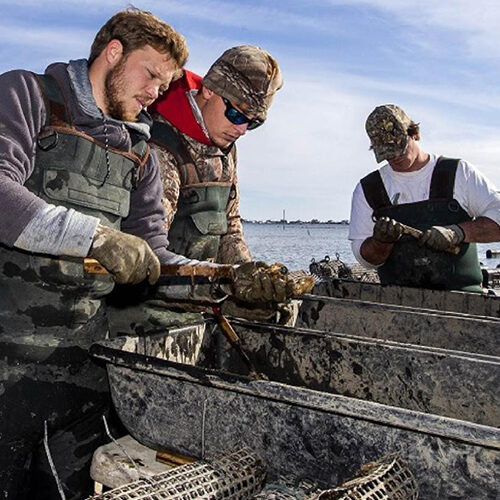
(300, 432)
(441, 300)
(446, 330)
(448, 383)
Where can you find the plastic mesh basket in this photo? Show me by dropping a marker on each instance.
(237, 476)
(387, 479)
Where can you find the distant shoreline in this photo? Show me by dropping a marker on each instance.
(296, 222)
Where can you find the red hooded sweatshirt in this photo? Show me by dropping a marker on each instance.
(174, 106)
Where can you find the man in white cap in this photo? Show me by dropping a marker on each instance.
(452, 203)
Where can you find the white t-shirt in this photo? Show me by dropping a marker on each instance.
(475, 194)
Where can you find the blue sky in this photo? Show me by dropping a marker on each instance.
(438, 60)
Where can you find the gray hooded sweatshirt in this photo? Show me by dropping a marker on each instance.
(32, 224)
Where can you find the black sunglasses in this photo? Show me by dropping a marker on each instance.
(238, 118)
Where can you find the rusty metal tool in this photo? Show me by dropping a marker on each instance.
(235, 342)
(222, 273)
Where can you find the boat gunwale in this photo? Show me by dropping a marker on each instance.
(427, 349)
(437, 425)
(402, 308)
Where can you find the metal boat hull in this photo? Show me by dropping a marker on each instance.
(300, 427)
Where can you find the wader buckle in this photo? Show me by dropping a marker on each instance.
(47, 139)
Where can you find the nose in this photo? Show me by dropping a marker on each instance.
(153, 91)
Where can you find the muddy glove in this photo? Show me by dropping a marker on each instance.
(128, 258)
(387, 230)
(442, 238)
(258, 282)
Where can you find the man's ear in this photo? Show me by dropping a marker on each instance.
(113, 51)
(206, 93)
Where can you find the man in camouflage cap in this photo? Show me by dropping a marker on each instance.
(448, 200)
(197, 123)
(387, 126)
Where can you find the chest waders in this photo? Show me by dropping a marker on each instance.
(201, 218)
(50, 312)
(412, 265)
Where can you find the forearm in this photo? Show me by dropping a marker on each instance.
(233, 249)
(481, 230)
(58, 231)
(375, 252)
(146, 218)
(171, 184)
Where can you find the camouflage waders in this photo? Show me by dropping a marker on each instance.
(412, 265)
(201, 218)
(50, 313)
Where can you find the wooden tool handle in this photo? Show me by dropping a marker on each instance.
(92, 266)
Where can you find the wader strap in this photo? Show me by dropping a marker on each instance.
(165, 136)
(443, 179)
(58, 115)
(140, 147)
(57, 110)
(375, 192)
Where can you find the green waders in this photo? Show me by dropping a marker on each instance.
(412, 265)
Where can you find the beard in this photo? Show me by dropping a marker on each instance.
(114, 87)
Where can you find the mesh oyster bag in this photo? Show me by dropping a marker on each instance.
(238, 475)
(386, 479)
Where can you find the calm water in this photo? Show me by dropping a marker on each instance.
(295, 245)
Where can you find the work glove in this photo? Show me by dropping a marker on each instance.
(128, 258)
(442, 238)
(387, 230)
(258, 282)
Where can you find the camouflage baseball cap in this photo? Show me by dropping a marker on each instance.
(387, 127)
(248, 77)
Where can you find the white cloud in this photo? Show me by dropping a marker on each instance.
(313, 150)
(250, 16)
(475, 23)
(67, 38)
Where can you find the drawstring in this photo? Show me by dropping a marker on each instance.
(135, 172)
(106, 148)
(149, 480)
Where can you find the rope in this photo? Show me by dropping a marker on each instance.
(51, 462)
(140, 476)
(203, 429)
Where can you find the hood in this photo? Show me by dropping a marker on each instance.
(174, 106)
(74, 81)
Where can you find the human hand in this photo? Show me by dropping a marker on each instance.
(128, 258)
(258, 282)
(387, 230)
(442, 238)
